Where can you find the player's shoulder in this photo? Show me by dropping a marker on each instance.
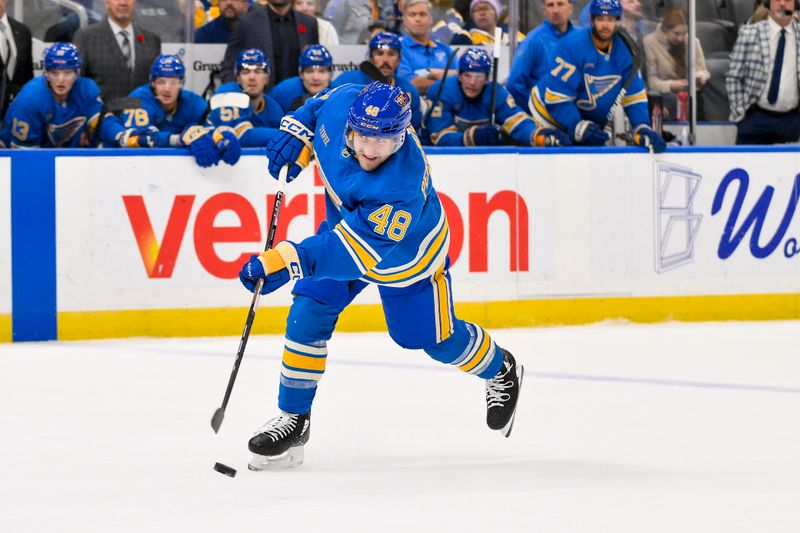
(351, 76)
(402, 176)
(86, 88)
(452, 90)
(289, 84)
(230, 87)
(35, 88)
(576, 41)
(407, 86)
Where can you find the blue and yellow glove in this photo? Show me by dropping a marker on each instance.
(549, 137)
(228, 144)
(139, 137)
(293, 144)
(485, 135)
(645, 136)
(589, 133)
(201, 144)
(276, 267)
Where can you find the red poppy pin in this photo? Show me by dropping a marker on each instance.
(301, 28)
(140, 37)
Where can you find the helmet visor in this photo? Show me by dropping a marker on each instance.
(374, 146)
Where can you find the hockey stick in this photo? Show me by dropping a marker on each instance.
(498, 37)
(369, 68)
(219, 414)
(434, 103)
(636, 62)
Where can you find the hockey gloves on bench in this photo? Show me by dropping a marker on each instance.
(486, 135)
(549, 137)
(201, 144)
(138, 138)
(645, 136)
(292, 144)
(228, 144)
(276, 266)
(588, 133)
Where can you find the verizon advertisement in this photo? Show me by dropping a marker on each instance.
(5, 240)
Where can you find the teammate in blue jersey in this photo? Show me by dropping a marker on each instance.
(242, 106)
(166, 115)
(532, 58)
(384, 58)
(462, 114)
(315, 73)
(385, 226)
(57, 110)
(588, 72)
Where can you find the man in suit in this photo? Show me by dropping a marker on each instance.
(117, 53)
(16, 59)
(278, 30)
(763, 79)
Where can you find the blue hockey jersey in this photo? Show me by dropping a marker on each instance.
(583, 84)
(254, 127)
(35, 119)
(290, 94)
(388, 226)
(454, 113)
(190, 110)
(359, 78)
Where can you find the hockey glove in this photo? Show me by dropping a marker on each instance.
(645, 136)
(292, 144)
(486, 135)
(138, 138)
(202, 146)
(228, 144)
(588, 133)
(276, 267)
(549, 137)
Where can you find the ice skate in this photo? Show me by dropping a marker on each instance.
(279, 443)
(502, 393)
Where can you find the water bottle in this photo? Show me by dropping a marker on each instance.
(683, 106)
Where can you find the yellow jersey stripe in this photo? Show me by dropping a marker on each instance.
(479, 354)
(303, 362)
(436, 136)
(513, 121)
(363, 257)
(420, 264)
(442, 300)
(540, 112)
(641, 96)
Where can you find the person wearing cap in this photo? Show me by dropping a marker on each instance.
(423, 59)
(242, 106)
(485, 15)
(218, 31)
(589, 70)
(532, 59)
(59, 109)
(314, 74)
(463, 114)
(384, 56)
(166, 115)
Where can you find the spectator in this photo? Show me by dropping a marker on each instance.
(351, 18)
(116, 52)
(462, 117)
(315, 73)
(327, 33)
(278, 30)
(384, 58)
(535, 54)
(589, 66)
(57, 110)
(219, 30)
(666, 55)
(16, 57)
(253, 119)
(423, 59)
(485, 15)
(166, 115)
(762, 78)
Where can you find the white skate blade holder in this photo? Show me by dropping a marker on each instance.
(291, 458)
(506, 430)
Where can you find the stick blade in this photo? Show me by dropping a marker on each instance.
(216, 420)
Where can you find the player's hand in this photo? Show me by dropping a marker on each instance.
(292, 144)
(645, 136)
(202, 146)
(549, 137)
(486, 135)
(228, 144)
(276, 267)
(138, 138)
(588, 133)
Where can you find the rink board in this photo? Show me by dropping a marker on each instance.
(5, 249)
(149, 244)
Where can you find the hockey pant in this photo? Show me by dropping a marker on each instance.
(419, 316)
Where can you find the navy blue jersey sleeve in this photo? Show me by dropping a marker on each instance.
(635, 102)
(513, 120)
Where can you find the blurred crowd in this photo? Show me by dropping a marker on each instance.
(587, 73)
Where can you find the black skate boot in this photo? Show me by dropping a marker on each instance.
(279, 443)
(502, 393)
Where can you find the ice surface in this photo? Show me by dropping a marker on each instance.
(621, 428)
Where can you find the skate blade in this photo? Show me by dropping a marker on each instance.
(292, 458)
(506, 430)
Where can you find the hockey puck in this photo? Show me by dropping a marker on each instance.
(225, 469)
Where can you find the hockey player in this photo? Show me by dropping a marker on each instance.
(588, 72)
(315, 73)
(385, 226)
(242, 105)
(167, 115)
(57, 110)
(462, 115)
(384, 58)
